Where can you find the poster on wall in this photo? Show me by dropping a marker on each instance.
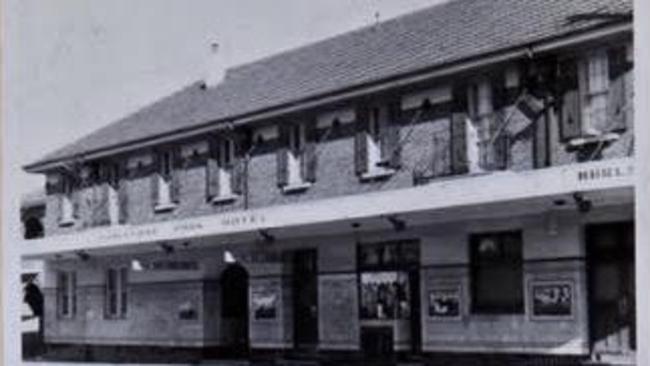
(265, 305)
(444, 303)
(551, 299)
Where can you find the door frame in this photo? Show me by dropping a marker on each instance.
(302, 345)
(413, 269)
(237, 349)
(592, 311)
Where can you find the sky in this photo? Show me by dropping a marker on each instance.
(73, 66)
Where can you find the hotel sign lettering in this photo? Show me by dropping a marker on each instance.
(243, 220)
(603, 173)
(197, 226)
(133, 233)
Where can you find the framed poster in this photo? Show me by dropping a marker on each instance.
(444, 303)
(551, 299)
(265, 305)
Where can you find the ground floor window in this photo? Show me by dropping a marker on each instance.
(497, 273)
(116, 292)
(66, 294)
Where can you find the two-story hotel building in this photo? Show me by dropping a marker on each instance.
(456, 181)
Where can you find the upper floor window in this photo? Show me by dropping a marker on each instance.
(116, 298)
(67, 204)
(226, 153)
(113, 174)
(224, 169)
(487, 142)
(593, 102)
(377, 143)
(497, 273)
(296, 159)
(166, 183)
(594, 71)
(296, 154)
(66, 293)
(110, 208)
(377, 122)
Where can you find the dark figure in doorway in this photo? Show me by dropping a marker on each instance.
(34, 298)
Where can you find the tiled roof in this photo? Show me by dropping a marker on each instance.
(432, 37)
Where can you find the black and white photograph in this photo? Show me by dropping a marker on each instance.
(350, 182)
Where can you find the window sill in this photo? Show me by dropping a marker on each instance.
(296, 187)
(377, 174)
(164, 207)
(492, 317)
(115, 317)
(66, 222)
(589, 140)
(227, 198)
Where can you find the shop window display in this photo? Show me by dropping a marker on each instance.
(385, 295)
(384, 279)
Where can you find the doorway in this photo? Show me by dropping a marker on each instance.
(234, 309)
(305, 300)
(389, 299)
(610, 253)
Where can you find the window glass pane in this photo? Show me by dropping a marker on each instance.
(375, 118)
(111, 291)
(63, 291)
(123, 291)
(296, 137)
(225, 152)
(410, 252)
(166, 163)
(73, 292)
(497, 276)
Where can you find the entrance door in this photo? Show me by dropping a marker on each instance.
(611, 289)
(305, 299)
(416, 321)
(234, 309)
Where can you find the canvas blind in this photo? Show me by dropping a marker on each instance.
(390, 137)
(361, 140)
(458, 143)
(571, 100)
(309, 158)
(282, 155)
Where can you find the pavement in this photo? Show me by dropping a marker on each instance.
(216, 363)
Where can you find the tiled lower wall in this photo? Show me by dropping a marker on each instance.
(521, 333)
(153, 317)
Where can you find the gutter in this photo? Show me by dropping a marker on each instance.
(495, 57)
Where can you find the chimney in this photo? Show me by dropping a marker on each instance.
(216, 67)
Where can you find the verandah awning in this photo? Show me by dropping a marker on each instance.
(437, 196)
